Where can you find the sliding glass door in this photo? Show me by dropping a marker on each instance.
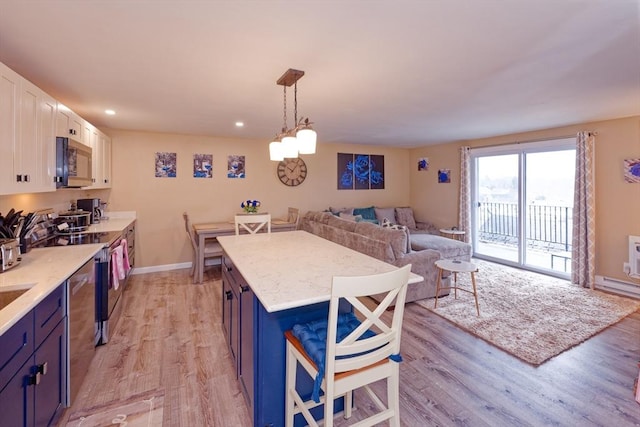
(523, 204)
(496, 231)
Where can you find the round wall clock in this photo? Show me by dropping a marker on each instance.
(292, 172)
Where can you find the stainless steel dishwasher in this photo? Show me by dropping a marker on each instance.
(83, 327)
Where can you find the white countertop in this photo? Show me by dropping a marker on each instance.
(295, 268)
(42, 270)
(117, 221)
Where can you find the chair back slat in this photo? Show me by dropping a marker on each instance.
(360, 353)
(189, 229)
(368, 349)
(253, 223)
(293, 216)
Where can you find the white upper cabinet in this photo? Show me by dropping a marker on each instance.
(88, 134)
(9, 115)
(30, 121)
(101, 156)
(69, 123)
(27, 136)
(106, 160)
(48, 119)
(94, 142)
(101, 145)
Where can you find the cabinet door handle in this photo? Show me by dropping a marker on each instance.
(229, 295)
(42, 369)
(244, 289)
(34, 379)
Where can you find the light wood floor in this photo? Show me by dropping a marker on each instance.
(170, 341)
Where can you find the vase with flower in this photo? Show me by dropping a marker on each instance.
(250, 206)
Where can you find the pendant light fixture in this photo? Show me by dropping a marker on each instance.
(301, 139)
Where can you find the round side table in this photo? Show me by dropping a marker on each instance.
(457, 267)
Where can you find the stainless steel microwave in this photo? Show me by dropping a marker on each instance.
(73, 163)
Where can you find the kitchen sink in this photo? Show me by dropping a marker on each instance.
(7, 297)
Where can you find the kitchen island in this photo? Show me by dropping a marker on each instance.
(271, 282)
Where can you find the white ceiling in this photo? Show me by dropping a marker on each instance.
(405, 73)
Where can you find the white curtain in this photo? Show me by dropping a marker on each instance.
(583, 269)
(464, 208)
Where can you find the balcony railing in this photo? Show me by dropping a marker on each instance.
(548, 228)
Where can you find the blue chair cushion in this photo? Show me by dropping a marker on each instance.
(313, 337)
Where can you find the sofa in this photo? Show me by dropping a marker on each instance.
(383, 243)
(422, 235)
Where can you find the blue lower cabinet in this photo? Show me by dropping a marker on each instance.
(33, 382)
(16, 399)
(246, 363)
(50, 392)
(257, 347)
(270, 362)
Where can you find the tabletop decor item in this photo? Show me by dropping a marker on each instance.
(250, 206)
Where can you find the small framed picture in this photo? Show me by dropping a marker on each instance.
(202, 165)
(166, 165)
(423, 164)
(632, 171)
(444, 176)
(235, 166)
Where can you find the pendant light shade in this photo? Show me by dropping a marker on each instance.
(275, 151)
(289, 146)
(307, 140)
(301, 139)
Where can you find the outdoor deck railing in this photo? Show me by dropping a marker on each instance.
(547, 227)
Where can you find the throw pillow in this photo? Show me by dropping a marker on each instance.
(385, 213)
(354, 218)
(367, 213)
(405, 217)
(337, 211)
(372, 221)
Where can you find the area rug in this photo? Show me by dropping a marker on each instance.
(138, 411)
(531, 316)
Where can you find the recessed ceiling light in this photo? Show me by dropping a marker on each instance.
(239, 124)
(110, 112)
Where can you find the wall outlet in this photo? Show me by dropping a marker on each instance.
(626, 268)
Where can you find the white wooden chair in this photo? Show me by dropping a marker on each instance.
(211, 249)
(359, 358)
(253, 223)
(293, 216)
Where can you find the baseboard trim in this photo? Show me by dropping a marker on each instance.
(169, 267)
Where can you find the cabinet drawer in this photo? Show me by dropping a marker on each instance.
(16, 345)
(234, 276)
(49, 313)
(227, 264)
